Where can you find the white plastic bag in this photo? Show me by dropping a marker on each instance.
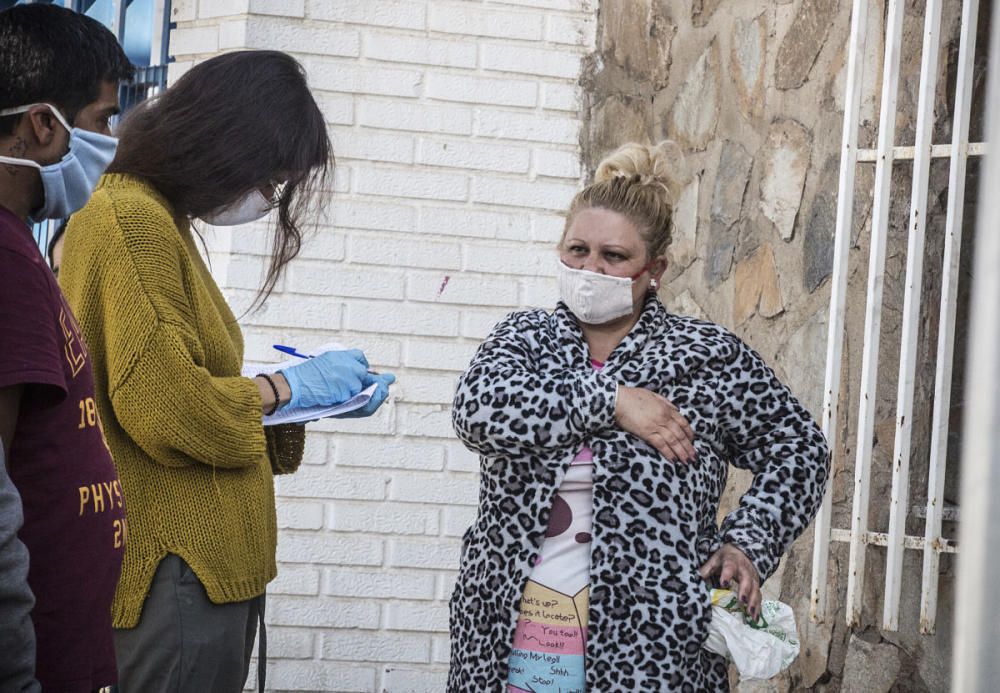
(759, 649)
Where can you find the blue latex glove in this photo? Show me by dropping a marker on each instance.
(384, 380)
(327, 379)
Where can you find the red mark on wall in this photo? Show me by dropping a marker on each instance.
(444, 283)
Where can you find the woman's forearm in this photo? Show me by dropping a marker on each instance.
(268, 393)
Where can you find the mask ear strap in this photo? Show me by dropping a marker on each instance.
(24, 109)
(270, 203)
(59, 116)
(641, 272)
(20, 162)
(648, 266)
(15, 110)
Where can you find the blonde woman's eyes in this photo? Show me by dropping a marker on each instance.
(611, 255)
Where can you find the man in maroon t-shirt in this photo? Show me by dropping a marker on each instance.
(59, 89)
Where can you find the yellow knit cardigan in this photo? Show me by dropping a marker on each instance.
(183, 426)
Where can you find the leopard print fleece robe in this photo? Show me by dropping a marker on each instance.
(527, 403)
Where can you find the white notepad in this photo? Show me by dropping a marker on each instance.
(290, 415)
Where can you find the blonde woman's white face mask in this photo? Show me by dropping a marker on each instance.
(595, 298)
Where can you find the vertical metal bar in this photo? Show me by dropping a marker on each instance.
(946, 323)
(165, 35)
(159, 32)
(838, 293)
(43, 232)
(118, 8)
(873, 311)
(899, 505)
(976, 666)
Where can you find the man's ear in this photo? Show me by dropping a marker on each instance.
(41, 126)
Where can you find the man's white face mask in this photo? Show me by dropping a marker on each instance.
(595, 298)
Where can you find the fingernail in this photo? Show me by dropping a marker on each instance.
(743, 599)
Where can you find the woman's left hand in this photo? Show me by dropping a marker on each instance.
(732, 565)
(383, 380)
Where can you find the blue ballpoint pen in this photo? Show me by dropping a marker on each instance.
(291, 351)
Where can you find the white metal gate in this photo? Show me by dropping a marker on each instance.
(860, 535)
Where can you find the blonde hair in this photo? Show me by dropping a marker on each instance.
(641, 182)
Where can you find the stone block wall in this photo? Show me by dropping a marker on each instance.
(753, 92)
(457, 134)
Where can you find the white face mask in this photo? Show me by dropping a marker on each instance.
(250, 207)
(595, 298)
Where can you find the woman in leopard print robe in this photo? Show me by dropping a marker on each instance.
(530, 400)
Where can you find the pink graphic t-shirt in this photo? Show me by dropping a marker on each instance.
(548, 655)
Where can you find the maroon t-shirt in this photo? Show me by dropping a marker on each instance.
(74, 514)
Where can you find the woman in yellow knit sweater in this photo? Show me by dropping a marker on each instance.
(234, 138)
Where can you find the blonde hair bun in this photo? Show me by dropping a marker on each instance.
(656, 166)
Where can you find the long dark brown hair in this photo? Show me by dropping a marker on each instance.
(231, 124)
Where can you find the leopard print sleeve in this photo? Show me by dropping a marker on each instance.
(767, 431)
(513, 401)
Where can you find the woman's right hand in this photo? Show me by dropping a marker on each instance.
(328, 379)
(653, 418)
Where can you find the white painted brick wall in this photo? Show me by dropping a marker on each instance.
(456, 129)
